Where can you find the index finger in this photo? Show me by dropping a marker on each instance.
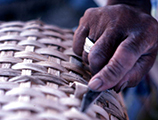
(79, 39)
(123, 60)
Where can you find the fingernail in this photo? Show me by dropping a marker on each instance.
(95, 84)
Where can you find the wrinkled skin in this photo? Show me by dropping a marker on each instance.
(125, 45)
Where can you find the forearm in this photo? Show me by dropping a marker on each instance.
(143, 5)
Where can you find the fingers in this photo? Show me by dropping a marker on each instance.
(79, 38)
(89, 26)
(134, 76)
(123, 60)
(103, 49)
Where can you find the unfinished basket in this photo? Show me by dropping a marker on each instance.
(41, 78)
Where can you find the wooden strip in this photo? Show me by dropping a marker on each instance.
(80, 89)
(52, 65)
(114, 113)
(66, 89)
(11, 24)
(10, 59)
(30, 55)
(24, 91)
(50, 41)
(54, 34)
(2, 34)
(6, 99)
(51, 91)
(57, 29)
(74, 67)
(73, 77)
(11, 29)
(11, 38)
(115, 103)
(30, 66)
(11, 47)
(68, 43)
(26, 78)
(68, 36)
(114, 118)
(33, 26)
(51, 116)
(114, 108)
(73, 113)
(67, 31)
(53, 28)
(34, 22)
(51, 52)
(50, 78)
(9, 72)
(22, 106)
(5, 113)
(28, 33)
(69, 101)
(17, 116)
(46, 104)
(101, 111)
(71, 53)
(8, 85)
(32, 43)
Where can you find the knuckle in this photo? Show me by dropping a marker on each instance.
(122, 7)
(113, 70)
(150, 25)
(96, 56)
(154, 27)
(152, 36)
(89, 11)
(82, 20)
(131, 46)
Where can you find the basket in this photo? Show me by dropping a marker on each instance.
(42, 79)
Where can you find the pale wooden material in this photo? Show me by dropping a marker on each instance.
(41, 78)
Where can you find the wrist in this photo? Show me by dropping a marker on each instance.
(143, 5)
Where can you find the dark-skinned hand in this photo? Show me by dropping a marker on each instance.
(125, 45)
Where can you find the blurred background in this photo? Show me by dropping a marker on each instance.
(63, 13)
(141, 101)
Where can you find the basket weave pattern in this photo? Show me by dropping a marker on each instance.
(41, 78)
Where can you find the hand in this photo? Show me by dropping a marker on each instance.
(125, 45)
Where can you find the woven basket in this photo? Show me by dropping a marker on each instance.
(41, 78)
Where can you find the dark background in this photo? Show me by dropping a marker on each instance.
(63, 13)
